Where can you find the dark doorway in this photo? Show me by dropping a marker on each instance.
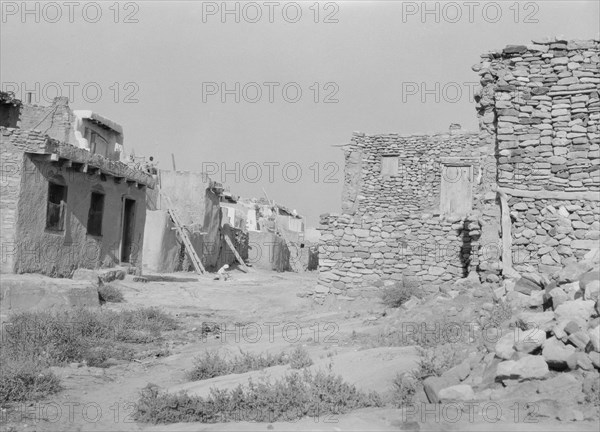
(128, 226)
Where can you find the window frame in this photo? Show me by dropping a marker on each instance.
(95, 216)
(59, 226)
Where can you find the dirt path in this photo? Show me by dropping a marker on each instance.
(272, 315)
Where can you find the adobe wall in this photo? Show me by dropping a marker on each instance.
(60, 253)
(539, 106)
(11, 166)
(55, 120)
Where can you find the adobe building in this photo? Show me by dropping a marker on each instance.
(522, 194)
(67, 200)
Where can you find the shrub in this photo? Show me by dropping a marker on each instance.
(434, 361)
(396, 295)
(25, 379)
(404, 388)
(80, 335)
(110, 293)
(294, 396)
(299, 358)
(213, 364)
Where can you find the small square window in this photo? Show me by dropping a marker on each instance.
(389, 165)
(55, 210)
(94, 225)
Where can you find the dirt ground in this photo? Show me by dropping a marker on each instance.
(273, 313)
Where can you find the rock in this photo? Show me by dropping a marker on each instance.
(528, 367)
(579, 311)
(462, 392)
(595, 359)
(556, 353)
(570, 387)
(572, 272)
(543, 321)
(505, 346)
(592, 290)
(526, 286)
(529, 340)
(558, 296)
(459, 372)
(579, 360)
(321, 289)
(572, 327)
(594, 335)
(580, 339)
(572, 289)
(433, 385)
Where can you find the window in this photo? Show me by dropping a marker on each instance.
(389, 165)
(94, 224)
(55, 210)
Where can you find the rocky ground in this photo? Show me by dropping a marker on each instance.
(524, 356)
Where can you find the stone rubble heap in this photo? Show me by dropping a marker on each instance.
(551, 355)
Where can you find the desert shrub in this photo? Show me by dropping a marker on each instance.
(299, 358)
(110, 293)
(396, 295)
(434, 361)
(24, 379)
(80, 335)
(213, 364)
(404, 388)
(294, 396)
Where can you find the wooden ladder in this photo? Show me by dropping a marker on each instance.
(189, 248)
(296, 264)
(235, 252)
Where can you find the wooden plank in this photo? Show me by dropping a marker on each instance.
(546, 194)
(507, 268)
(235, 252)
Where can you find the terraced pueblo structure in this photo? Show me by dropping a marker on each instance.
(522, 194)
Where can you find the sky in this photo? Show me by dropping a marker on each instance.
(260, 95)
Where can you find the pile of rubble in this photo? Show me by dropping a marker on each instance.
(547, 353)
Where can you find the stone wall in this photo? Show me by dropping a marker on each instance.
(392, 227)
(539, 106)
(356, 253)
(417, 185)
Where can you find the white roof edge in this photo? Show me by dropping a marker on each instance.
(88, 114)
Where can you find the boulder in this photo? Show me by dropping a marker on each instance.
(541, 320)
(433, 385)
(579, 311)
(459, 372)
(558, 296)
(595, 359)
(527, 367)
(591, 290)
(526, 286)
(462, 392)
(556, 353)
(505, 346)
(570, 387)
(572, 272)
(529, 340)
(579, 339)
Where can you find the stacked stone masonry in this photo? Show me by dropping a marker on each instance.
(535, 191)
(539, 106)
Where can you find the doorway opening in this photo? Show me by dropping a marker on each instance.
(128, 229)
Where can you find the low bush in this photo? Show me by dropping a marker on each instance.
(110, 294)
(404, 388)
(80, 335)
(25, 379)
(292, 397)
(213, 364)
(396, 295)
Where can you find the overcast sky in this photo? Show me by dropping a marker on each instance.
(161, 66)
